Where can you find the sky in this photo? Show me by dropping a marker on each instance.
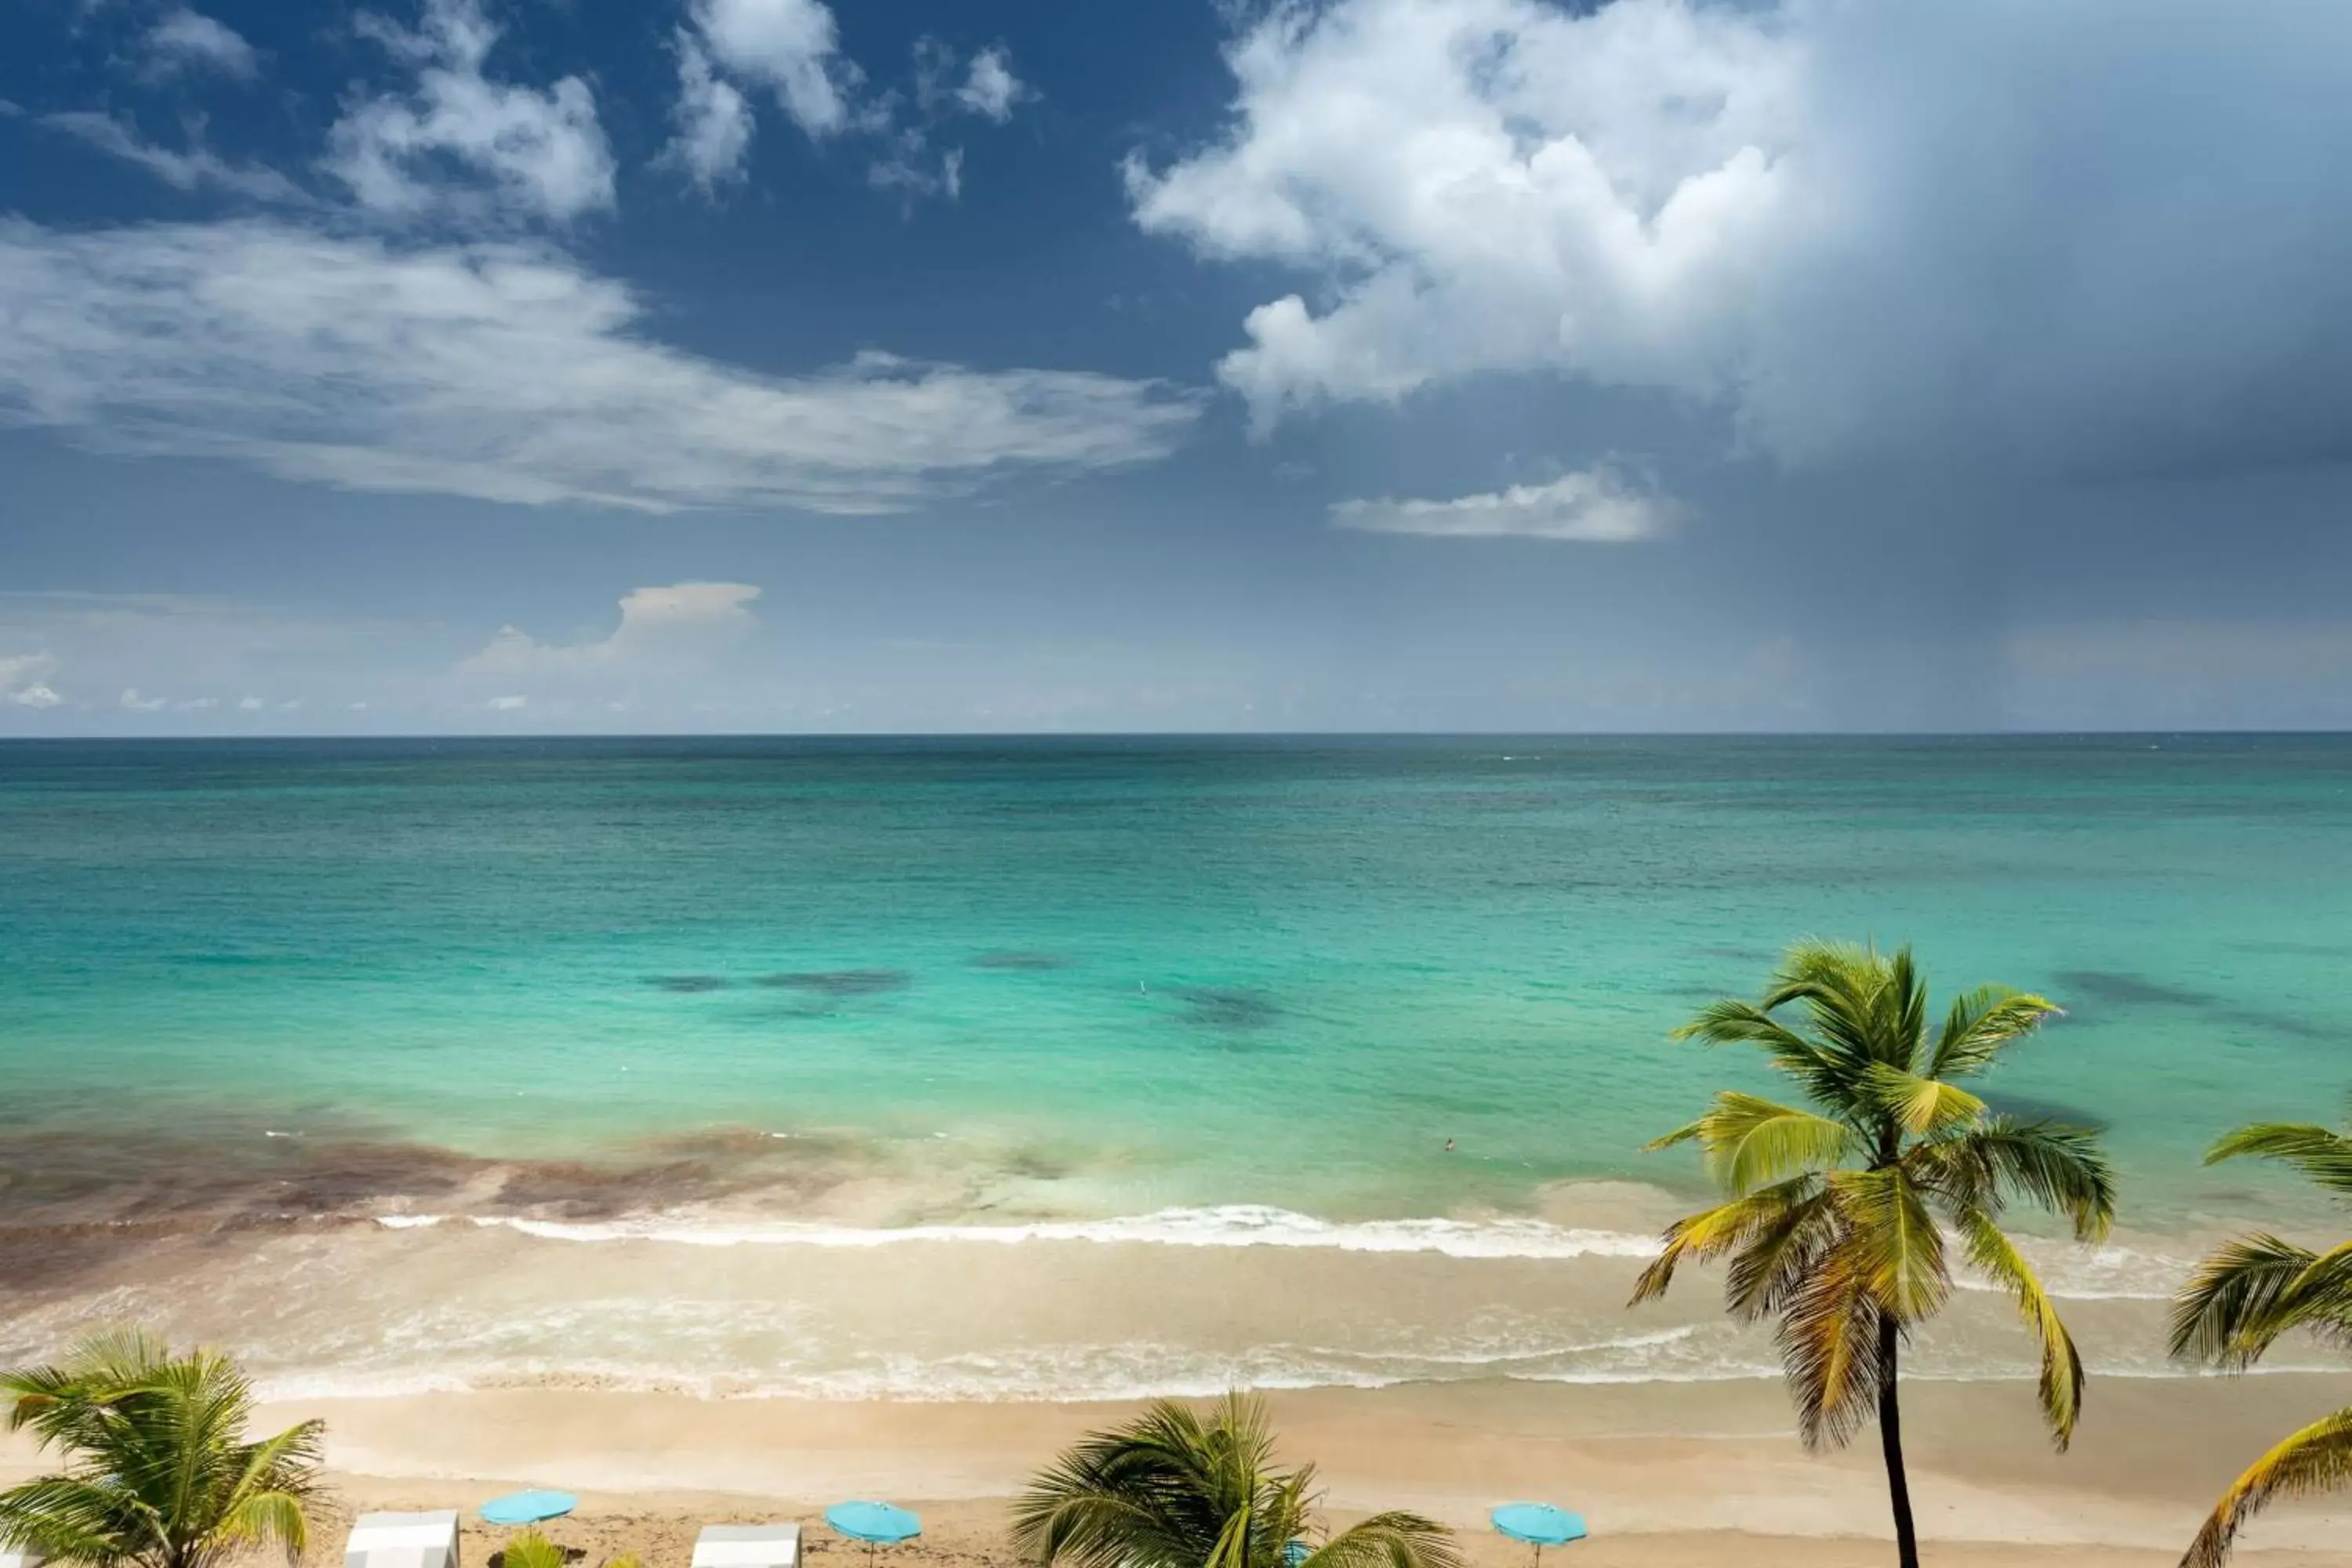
(551, 366)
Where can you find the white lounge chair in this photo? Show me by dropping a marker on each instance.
(748, 1546)
(403, 1540)
(19, 1557)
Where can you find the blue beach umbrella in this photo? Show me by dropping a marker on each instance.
(875, 1524)
(1539, 1524)
(527, 1508)
(1294, 1551)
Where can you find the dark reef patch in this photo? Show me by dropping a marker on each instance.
(1234, 1010)
(2127, 990)
(687, 984)
(2031, 1108)
(840, 982)
(1024, 962)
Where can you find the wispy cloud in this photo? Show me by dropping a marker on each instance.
(505, 372)
(1592, 506)
(199, 168)
(186, 41)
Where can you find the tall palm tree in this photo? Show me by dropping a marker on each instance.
(158, 1472)
(1174, 1489)
(1837, 1218)
(2244, 1296)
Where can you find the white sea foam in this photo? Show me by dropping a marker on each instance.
(1230, 1226)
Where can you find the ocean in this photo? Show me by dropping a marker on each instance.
(707, 1062)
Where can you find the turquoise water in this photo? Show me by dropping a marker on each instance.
(1133, 975)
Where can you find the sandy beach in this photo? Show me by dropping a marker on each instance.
(1668, 1475)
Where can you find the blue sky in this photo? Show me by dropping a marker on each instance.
(533, 365)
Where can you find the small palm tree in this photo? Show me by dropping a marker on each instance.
(2244, 1296)
(1837, 1219)
(158, 1472)
(1174, 1489)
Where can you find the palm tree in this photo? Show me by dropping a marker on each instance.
(158, 1473)
(1171, 1490)
(1838, 1218)
(2244, 1297)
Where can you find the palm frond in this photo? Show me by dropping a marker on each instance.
(1828, 1337)
(2055, 1167)
(1393, 1540)
(1921, 1104)
(2061, 1384)
(2317, 1459)
(1712, 1232)
(1981, 1024)
(1751, 1143)
(1893, 1245)
(1730, 1021)
(2319, 1154)
(532, 1549)
(2250, 1292)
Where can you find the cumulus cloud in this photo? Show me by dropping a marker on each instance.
(990, 89)
(1595, 506)
(713, 120)
(791, 47)
(658, 626)
(24, 680)
(506, 704)
(1858, 229)
(199, 168)
(504, 373)
(523, 153)
(138, 704)
(186, 41)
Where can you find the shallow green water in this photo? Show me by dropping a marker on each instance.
(1141, 974)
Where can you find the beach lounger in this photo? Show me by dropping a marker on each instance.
(15, 1557)
(748, 1546)
(403, 1540)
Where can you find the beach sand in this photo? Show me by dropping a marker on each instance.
(1671, 1476)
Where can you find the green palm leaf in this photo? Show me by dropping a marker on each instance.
(2061, 1384)
(2320, 1155)
(2317, 1459)
(1171, 1490)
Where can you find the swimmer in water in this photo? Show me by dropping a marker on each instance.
(1449, 1146)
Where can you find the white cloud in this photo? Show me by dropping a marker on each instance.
(504, 373)
(1858, 228)
(714, 121)
(506, 704)
(790, 45)
(250, 704)
(138, 704)
(190, 40)
(679, 623)
(198, 169)
(530, 154)
(24, 680)
(1595, 506)
(990, 89)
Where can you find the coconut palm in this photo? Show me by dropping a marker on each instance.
(158, 1472)
(1839, 1219)
(2245, 1296)
(1175, 1489)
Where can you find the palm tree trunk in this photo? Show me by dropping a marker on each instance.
(1890, 1440)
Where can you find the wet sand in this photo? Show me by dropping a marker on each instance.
(1668, 1474)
